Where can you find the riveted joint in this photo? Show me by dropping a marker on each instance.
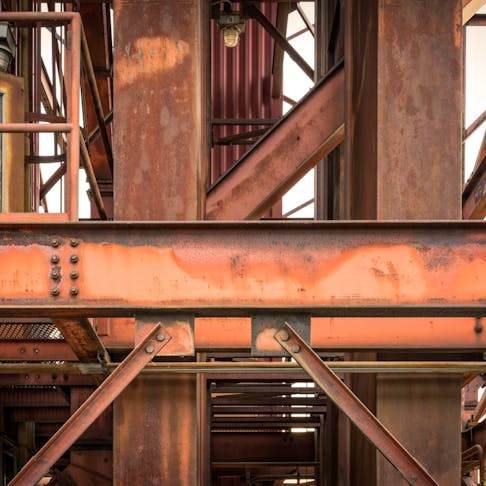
(295, 348)
(55, 291)
(284, 336)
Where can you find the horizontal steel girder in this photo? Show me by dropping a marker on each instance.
(218, 269)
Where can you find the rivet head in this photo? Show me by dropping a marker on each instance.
(74, 291)
(36, 350)
(149, 349)
(55, 242)
(54, 259)
(160, 337)
(284, 336)
(74, 274)
(55, 274)
(74, 242)
(74, 259)
(295, 348)
(55, 291)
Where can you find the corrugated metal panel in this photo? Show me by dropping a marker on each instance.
(241, 86)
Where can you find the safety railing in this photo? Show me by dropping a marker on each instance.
(76, 54)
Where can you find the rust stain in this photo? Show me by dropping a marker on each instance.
(150, 56)
(265, 340)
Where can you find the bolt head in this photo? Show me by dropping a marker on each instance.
(74, 274)
(478, 326)
(36, 350)
(149, 349)
(55, 242)
(295, 348)
(74, 259)
(55, 275)
(284, 335)
(54, 259)
(160, 337)
(74, 242)
(55, 291)
(74, 291)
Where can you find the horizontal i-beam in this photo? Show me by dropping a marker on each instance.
(308, 133)
(217, 269)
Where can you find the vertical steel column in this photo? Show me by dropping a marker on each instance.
(403, 161)
(160, 114)
(161, 154)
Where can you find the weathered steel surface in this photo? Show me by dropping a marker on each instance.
(402, 402)
(82, 338)
(241, 80)
(156, 417)
(180, 328)
(87, 413)
(289, 150)
(160, 112)
(36, 350)
(474, 194)
(328, 269)
(404, 109)
(410, 469)
(26, 397)
(331, 333)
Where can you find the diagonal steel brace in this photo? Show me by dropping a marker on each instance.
(406, 464)
(92, 408)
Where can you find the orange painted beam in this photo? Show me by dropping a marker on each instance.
(331, 333)
(222, 269)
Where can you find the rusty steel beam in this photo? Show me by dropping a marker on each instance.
(329, 333)
(324, 268)
(290, 149)
(411, 470)
(91, 409)
(82, 337)
(279, 38)
(469, 9)
(29, 397)
(36, 350)
(43, 379)
(46, 415)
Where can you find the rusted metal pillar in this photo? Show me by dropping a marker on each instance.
(161, 152)
(403, 161)
(160, 143)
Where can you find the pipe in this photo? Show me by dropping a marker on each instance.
(93, 183)
(253, 367)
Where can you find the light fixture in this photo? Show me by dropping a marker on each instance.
(231, 24)
(7, 46)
